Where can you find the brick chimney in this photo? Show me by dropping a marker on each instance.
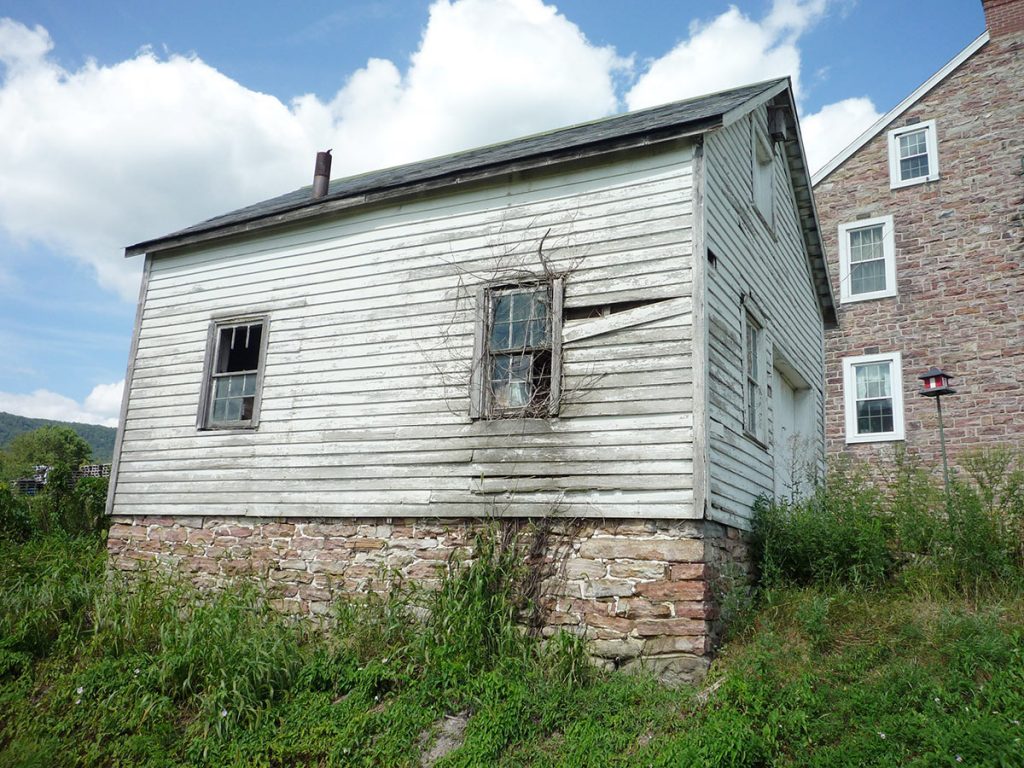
(1003, 17)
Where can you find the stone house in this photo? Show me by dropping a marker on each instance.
(923, 221)
(615, 328)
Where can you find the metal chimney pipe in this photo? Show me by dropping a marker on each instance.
(322, 174)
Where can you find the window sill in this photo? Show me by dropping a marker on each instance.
(893, 184)
(228, 428)
(856, 299)
(755, 440)
(887, 437)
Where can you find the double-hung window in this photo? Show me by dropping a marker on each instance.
(753, 376)
(867, 259)
(873, 388)
(517, 367)
(236, 349)
(913, 154)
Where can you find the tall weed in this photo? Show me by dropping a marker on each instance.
(851, 533)
(47, 587)
(836, 536)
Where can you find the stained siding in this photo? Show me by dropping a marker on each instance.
(772, 269)
(366, 399)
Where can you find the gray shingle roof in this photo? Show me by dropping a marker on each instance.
(692, 115)
(680, 118)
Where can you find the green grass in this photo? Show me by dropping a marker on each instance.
(94, 672)
(888, 630)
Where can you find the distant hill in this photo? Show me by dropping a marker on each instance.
(100, 438)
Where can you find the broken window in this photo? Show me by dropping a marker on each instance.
(516, 370)
(234, 374)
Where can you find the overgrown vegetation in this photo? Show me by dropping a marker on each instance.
(895, 650)
(850, 533)
(64, 504)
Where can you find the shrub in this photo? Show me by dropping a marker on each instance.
(836, 536)
(851, 533)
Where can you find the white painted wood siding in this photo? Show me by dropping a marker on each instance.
(366, 389)
(769, 264)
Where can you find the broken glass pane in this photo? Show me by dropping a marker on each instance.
(511, 383)
(238, 348)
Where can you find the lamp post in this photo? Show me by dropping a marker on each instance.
(935, 383)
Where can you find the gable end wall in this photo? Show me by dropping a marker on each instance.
(959, 247)
(770, 267)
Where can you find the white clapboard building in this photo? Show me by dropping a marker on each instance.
(618, 323)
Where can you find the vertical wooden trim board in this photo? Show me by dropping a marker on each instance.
(557, 310)
(129, 372)
(476, 373)
(700, 340)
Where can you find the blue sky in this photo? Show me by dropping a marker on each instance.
(123, 121)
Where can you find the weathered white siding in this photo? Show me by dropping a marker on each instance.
(770, 268)
(366, 398)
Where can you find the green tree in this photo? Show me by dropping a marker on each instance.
(54, 446)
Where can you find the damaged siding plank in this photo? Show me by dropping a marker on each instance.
(366, 399)
(658, 310)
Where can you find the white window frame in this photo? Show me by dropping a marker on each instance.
(204, 419)
(931, 146)
(850, 397)
(752, 320)
(482, 402)
(846, 294)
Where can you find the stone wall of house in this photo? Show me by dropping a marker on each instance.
(959, 254)
(640, 591)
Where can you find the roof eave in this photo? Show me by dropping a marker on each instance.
(307, 209)
(899, 109)
(808, 215)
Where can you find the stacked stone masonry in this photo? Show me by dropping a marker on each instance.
(959, 245)
(639, 591)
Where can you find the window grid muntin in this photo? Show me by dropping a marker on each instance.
(873, 397)
(913, 154)
(913, 151)
(867, 254)
(519, 349)
(753, 342)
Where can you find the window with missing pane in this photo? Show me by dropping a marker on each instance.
(519, 350)
(234, 374)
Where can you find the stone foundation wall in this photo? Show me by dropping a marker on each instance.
(640, 591)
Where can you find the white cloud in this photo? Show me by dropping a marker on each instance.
(829, 130)
(729, 51)
(484, 71)
(733, 50)
(101, 406)
(104, 156)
